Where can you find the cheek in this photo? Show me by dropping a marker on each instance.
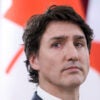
(49, 68)
(50, 61)
(85, 61)
(86, 58)
(47, 61)
(84, 55)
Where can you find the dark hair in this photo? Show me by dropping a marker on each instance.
(37, 24)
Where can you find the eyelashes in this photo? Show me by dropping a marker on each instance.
(77, 44)
(57, 44)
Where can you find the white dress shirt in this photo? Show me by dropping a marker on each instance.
(45, 95)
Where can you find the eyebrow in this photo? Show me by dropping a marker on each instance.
(63, 37)
(79, 37)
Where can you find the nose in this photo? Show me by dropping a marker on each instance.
(71, 53)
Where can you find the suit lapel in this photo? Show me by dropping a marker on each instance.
(36, 97)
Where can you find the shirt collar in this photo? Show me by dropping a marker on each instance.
(45, 95)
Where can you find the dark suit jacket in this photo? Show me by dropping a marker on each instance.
(36, 97)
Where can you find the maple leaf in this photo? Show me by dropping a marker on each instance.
(21, 10)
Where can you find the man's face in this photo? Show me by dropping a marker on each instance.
(63, 58)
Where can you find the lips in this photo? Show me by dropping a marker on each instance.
(72, 69)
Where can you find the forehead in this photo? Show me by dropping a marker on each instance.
(58, 28)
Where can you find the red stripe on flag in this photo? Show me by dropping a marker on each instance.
(95, 56)
(13, 61)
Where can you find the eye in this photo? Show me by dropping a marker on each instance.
(56, 45)
(79, 44)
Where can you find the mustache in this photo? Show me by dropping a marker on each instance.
(70, 65)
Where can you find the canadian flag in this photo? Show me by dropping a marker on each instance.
(14, 83)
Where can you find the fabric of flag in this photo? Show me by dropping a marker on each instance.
(14, 84)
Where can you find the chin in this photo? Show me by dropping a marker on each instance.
(75, 82)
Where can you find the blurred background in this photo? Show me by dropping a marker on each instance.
(14, 84)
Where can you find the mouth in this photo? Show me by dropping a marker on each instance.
(72, 69)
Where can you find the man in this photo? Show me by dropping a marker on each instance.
(57, 46)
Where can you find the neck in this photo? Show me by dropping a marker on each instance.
(72, 94)
(64, 94)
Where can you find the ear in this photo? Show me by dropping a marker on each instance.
(34, 62)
